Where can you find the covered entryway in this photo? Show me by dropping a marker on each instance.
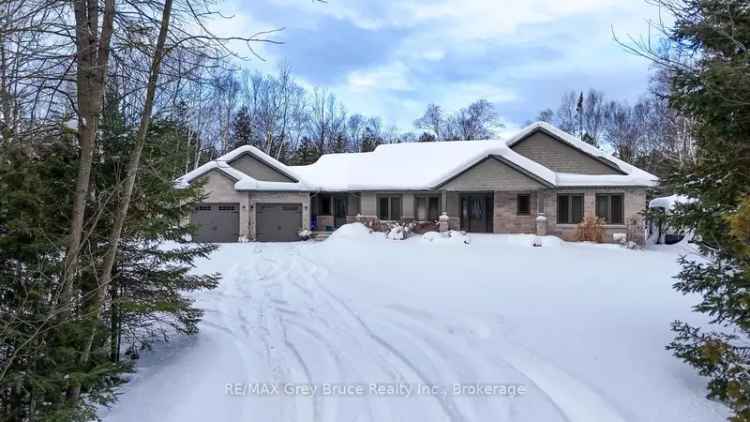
(477, 212)
(217, 222)
(339, 210)
(277, 222)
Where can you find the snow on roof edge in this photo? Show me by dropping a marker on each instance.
(580, 145)
(262, 156)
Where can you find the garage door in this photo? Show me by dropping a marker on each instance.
(217, 222)
(277, 222)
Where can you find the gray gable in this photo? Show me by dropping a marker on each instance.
(491, 174)
(259, 170)
(558, 156)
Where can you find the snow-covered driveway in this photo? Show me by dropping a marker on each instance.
(417, 330)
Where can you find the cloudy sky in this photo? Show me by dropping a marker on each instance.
(392, 58)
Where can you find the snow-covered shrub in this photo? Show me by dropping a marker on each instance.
(449, 237)
(396, 233)
(304, 234)
(620, 238)
(399, 231)
(590, 230)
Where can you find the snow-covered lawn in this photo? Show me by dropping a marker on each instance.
(566, 332)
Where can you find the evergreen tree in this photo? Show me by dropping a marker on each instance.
(148, 298)
(714, 90)
(242, 128)
(40, 354)
(426, 137)
(370, 140)
(306, 153)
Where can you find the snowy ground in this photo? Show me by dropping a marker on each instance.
(566, 332)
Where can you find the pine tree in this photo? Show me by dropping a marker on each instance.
(242, 128)
(39, 355)
(715, 91)
(306, 153)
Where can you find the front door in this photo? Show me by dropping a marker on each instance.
(339, 210)
(476, 213)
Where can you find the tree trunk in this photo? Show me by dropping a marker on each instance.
(121, 213)
(93, 57)
(114, 324)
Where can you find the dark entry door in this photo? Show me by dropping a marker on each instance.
(476, 213)
(277, 222)
(216, 222)
(339, 211)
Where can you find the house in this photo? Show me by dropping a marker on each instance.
(541, 180)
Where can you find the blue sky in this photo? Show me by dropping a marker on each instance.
(392, 58)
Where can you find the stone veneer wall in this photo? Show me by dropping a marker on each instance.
(506, 218)
(635, 202)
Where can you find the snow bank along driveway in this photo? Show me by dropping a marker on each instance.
(493, 331)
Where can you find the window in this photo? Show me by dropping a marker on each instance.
(325, 205)
(523, 202)
(427, 208)
(389, 207)
(569, 208)
(610, 207)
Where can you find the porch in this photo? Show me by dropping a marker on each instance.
(331, 210)
(471, 211)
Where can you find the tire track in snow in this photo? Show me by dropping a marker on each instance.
(444, 355)
(317, 305)
(429, 321)
(269, 314)
(309, 270)
(446, 403)
(575, 400)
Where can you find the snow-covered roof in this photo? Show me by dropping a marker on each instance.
(426, 165)
(422, 166)
(638, 176)
(409, 166)
(245, 182)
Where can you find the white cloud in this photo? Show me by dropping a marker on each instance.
(392, 77)
(570, 38)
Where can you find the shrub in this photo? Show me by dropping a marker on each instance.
(590, 230)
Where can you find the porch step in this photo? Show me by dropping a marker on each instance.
(320, 235)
